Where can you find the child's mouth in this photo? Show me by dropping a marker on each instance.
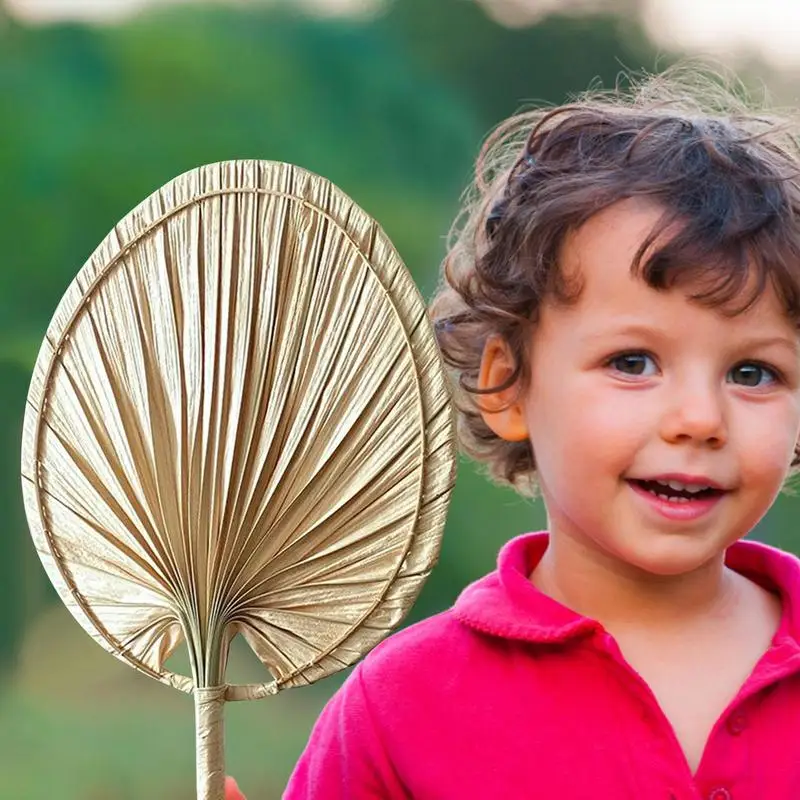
(673, 492)
(675, 500)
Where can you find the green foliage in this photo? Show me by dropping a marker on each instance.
(133, 750)
(95, 120)
(498, 70)
(21, 584)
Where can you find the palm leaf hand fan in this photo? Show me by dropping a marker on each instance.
(238, 423)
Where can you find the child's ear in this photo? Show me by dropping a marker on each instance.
(502, 411)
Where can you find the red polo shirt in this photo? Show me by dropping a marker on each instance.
(511, 695)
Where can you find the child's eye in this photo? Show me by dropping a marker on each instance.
(634, 364)
(753, 374)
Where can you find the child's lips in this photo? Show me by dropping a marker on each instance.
(683, 510)
(684, 478)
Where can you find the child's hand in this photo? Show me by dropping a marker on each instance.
(232, 790)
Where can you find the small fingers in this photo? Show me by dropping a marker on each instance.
(232, 791)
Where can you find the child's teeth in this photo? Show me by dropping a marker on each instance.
(670, 499)
(684, 487)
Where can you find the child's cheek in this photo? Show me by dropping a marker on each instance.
(618, 423)
(764, 455)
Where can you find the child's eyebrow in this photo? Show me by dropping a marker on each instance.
(750, 343)
(635, 329)
(632, 329)
(773, 341)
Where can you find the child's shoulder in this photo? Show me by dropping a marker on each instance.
(431, 667)
(449, 636)
(485, 627)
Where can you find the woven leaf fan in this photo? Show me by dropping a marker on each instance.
(238, 423)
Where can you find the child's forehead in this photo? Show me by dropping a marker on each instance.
(597, 260)
(610, 237)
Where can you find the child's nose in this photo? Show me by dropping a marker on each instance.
(696, 415)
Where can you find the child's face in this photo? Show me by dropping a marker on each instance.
(635, 384)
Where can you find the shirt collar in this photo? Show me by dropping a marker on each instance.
(507, 605)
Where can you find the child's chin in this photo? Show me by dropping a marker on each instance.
(679, 556)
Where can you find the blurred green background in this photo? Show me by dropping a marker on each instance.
(391, 106)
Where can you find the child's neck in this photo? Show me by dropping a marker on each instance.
(597, 586)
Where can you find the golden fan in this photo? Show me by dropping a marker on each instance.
(238, 423)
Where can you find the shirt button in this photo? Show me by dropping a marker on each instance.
(720, 794)
(736, 724)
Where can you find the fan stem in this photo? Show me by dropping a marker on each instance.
(209, 704)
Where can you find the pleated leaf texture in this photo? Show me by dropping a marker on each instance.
(239, 423)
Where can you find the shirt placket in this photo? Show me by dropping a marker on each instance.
(667, 775)
(726, 771)
(725, 768)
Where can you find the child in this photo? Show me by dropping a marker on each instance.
(620, 312)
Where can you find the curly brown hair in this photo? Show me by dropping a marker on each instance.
(726, 173)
